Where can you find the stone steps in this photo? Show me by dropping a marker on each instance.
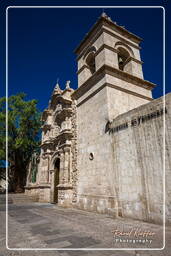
(18, 199)
(3, 200)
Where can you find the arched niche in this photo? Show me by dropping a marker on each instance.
(124, 57)
(89, 58)
(124, 46)
(89, 50)
(90, 62)
(54, 157)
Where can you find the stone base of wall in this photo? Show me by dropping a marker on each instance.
(100, 204)
(137, 211)
(108, 205)
(41, 192)
(65, 195)
(32, 191)
(134, 209)
(44, 195)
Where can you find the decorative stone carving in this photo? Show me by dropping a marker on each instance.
(66, 125)
(68, 84)
(58, 107)
(74, 171)
(59, 142)
(57, 89)
(56, 131)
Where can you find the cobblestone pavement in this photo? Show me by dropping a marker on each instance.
(38, 225)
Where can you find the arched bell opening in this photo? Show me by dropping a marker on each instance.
(90, 61)
(123, 56)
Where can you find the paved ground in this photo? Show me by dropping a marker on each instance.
(35, 225)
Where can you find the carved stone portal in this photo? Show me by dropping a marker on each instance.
(58, 148)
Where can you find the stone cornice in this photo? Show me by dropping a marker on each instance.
(97, 76)
(82, 68)
(105, 69)
(129, 91)
(128, 77)
(120, 38)
(133, 59)
(65, 144)
(60, 97)
(98, 34)
(64, 186)
(117, 88)
(122, 30)
(37, 186)
(104, 21)
(64, 135)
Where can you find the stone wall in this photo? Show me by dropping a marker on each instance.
(94, 187)
(126, 176)
(138, 161)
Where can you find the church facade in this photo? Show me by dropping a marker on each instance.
(103, 144)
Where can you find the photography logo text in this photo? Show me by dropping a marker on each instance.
(133, 235)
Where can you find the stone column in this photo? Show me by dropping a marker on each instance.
(52, 189)
(43, 178)
(29, 175)
(61, 172)
(66, 164)
(107, 56)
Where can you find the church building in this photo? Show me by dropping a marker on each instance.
(106, 146)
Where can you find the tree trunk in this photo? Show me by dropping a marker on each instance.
(19, 178)
(17, 173)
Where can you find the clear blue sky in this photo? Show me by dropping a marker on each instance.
(42, 43)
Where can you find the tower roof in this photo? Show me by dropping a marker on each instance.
(105, 20)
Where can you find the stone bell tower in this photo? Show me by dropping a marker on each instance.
(110, 82)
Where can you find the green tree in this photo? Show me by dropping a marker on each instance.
(24, 123)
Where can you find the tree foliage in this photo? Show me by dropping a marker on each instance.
(23, 135)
